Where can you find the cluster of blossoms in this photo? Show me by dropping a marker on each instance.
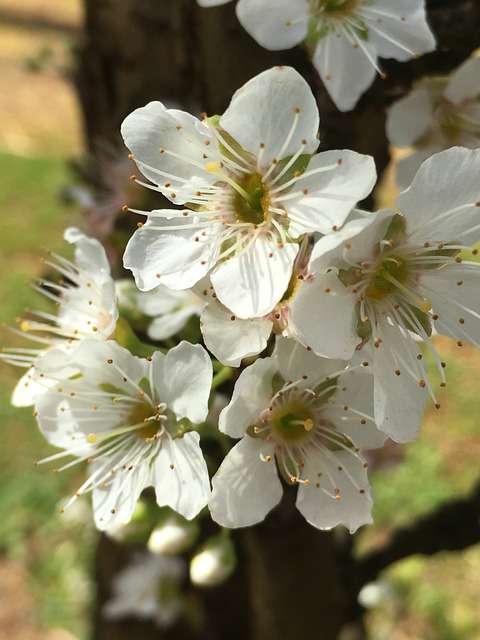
(263, 238)
(315, 311)
(344, 37)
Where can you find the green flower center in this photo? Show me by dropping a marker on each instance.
(144, 413)
(250, 209)
(292, 422)
(389, 271)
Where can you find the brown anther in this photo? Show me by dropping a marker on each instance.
(125, 208)
(296, 110)
(422, 383)
(326, 289)
(172, 466)
(397, 372)
(461, 321)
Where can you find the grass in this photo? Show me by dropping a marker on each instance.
(31, 530)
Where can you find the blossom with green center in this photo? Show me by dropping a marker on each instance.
(439, 113)
(388, 275)
(312, 417)
(251, 188)
(133, 420)
(345, 37)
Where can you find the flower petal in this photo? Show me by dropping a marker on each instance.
(465, 82)
(323, 315)
(409, 118)
(252, 282)
(326, 197)
(251, 395)
(171, 257)
(340, 474)
(186, 487)
(441, 204)
(169, 147)
(231, 339)
(454, 294)
(274, 28)
(403, 31)
(182, 379)
(275, 109)
(400, 390)
(245, 488)
(345, 70)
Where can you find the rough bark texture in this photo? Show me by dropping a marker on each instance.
(295, 580)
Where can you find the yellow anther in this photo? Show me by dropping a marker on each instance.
(212, 166)
(308, 424)
(91, 438)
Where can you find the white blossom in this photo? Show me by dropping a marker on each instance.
(389, 275)
(346, 37)
(147, 588)
(132, 419)
(439, 113)
(310, 415)
(85, 308)
(251, 188)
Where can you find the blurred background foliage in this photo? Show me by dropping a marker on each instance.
(46, 559)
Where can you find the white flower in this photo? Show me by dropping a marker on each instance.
(440, 113)
(86, 308)
(251, 188)
(148, 587)
(346, 37)
(387, 275)
(313, 417)
(131, 419)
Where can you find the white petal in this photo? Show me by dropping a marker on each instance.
(280, 27)
(296, 361)
(361, 235)
(251, 395)
(345, 70)
(183, 380)
(403, 31)
(252, 282)
(114, 505)
(321, 509)
(399, 399)
(331, 193)
(454, 294)
(465, 82)
(171, 257)
(358, 420)
(186, 487)
(154, 127)
(408, 166)
(89, 253)
(231, 339)
(440, 204)
(168, 325)
(324, 318)
(409, 118)
(267, 108)
(245, 488)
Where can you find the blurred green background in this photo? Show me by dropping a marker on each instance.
(46, 559)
